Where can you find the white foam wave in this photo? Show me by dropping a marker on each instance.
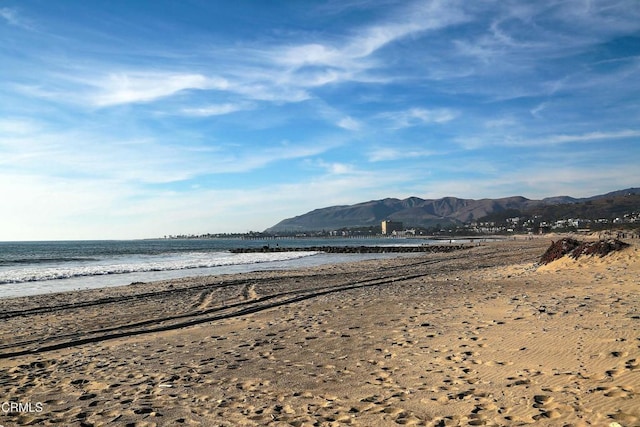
(141, 264)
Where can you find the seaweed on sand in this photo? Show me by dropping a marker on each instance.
(600, 248)
(576, 249)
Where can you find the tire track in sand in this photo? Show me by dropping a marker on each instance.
(169, 323)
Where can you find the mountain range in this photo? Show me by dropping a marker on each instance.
(417, 212)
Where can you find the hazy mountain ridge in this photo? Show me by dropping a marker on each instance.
(414, 211)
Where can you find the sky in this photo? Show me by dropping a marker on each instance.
(134, 119)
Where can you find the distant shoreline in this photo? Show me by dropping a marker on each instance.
(354, 249)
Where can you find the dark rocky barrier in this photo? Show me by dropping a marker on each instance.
(356, 249)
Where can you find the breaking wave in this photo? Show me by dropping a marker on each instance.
(44, 271)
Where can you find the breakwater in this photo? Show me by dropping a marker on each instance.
(354, 249)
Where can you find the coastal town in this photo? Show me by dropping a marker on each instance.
(537, 225)
(533, 225)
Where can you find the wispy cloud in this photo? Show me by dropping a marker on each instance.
(281, 72)
(173, 121)
(124, 88)
(538, 109)
(350, 57)
(86, 154)
(215, 109)
(92, 88)
(418, 116)
(382, 154)
(545, 180)
(507, 133)
(589, 137)
(15, 18)
(18, 126)
(334, 168)
(349, 123)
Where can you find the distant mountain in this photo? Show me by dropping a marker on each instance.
(417, 212)
(559, 200)
(625, 192)
(607, 206)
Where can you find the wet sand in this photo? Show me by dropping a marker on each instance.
(476, 337)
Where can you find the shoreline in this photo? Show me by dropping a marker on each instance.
(354, 249)
(477, 337)
(106, 265)
(81, 280)
(97, 282)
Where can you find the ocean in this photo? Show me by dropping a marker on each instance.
(30, 268)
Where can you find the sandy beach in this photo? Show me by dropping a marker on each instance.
(483, 336)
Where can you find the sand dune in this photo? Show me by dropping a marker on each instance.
(484, 337)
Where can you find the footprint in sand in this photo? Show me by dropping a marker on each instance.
(617, 391)
(549, 408)
(632, 365)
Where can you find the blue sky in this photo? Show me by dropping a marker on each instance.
(129, 119)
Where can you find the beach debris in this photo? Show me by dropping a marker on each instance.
(559, 249)
(600, 248)
(575, 249)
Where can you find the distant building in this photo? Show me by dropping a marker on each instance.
(388, 227)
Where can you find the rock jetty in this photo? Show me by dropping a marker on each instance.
(355, 249)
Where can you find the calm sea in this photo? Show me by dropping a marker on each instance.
(29, 268)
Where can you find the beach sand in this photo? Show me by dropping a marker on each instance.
(482, 336)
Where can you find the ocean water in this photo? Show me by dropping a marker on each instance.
(29, 268)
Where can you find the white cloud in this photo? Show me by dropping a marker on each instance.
(281, 72)
(58, 208)
(214, 109)
(8, 15)
(418, 116)
(441, 115)
(559, 139)
(592, 19)
(124, 88)
(310, 54)
(340, 169)
(13, 17)
(268, 90)
(349, 123)
(348, 58)
(117, 88)
(153, 163)
(478, 141)
(591, 136)
(382, 154)
(535, 182)
(538, 109)
(545, 181)
(102, 208)
(500, 123)
(80, 154)
(18, 126)
(295, 150)
(334, 168)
